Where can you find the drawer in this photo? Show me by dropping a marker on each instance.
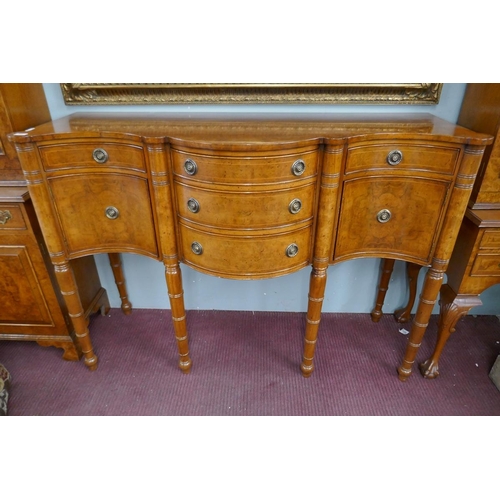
(104, 212)
(240, 209)
(92, 154)
(11, 217)
(398, 217)
(486, 265)
(245, 170)
(426, 157)
(246, 256)
(490, 239)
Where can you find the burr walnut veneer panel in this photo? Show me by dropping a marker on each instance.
(252, 197)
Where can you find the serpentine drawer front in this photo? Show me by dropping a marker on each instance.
(250, 198)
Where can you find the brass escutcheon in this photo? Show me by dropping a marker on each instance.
(196, 248)
(298, 167)
(292, 250)
(384, 216)
(394, 157)
(5, 216)
(295, 206)
(100, 155)
(190, 167)
(112, 213)
(193, 205)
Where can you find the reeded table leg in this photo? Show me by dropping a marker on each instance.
(403, 315)
(176, 295)
(69, 291)
(316, 294)
(453, 307)
(387, 268)
(116, 265)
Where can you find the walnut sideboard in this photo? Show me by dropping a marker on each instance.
(247, 197)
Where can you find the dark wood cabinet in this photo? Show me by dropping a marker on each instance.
(33, 307)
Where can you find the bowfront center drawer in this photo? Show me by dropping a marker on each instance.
(486, 265)
(11, 217)
(104, 212)
(92, 154)
(236, 209)
(245, 169)
(491, 239)
(246, 256)
(414, 157)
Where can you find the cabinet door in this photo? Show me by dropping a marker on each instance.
(394, 217)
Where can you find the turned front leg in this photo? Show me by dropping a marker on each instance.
(452, 308)
(176, 296)
(315, 303)
(387, 268)
(116, 266)
(430, 290)
(69, 291)
(403, 315)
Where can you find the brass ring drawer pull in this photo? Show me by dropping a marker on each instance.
(298, 167)
(100, 155)
(292, 250)
(5, 216)
(384, 216)
(394, 157)
(193, 205)
(295, 206)
(196, 248)
(190, 167)
(112, 213)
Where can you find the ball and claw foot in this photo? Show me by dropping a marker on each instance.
(429, 369)
(402, 316)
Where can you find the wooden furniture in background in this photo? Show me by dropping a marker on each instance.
(475, 262)
(33, 307)
(250, 198)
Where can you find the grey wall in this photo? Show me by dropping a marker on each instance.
(351, 285)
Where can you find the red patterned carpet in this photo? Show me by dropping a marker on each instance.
(247, 363)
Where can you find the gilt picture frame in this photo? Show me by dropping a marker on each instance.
(250, 93)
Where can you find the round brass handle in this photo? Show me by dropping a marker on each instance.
(295, 206)
(190, 167)
(112, 213)
(298, 167)
(193, 205)
(100, 155)
(292, 250)
(384, 216)
(196, 248)
(5, 216)
(394, 157)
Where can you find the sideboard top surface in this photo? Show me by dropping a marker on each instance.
(254, 129)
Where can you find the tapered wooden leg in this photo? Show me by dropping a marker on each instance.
(453, 307)
(69, 291)
(403, 315)
(116, 265)
(176, 295)
(430, 291)
(315, 303)
(387, 267)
